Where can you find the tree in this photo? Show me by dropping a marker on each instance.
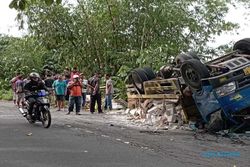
(23, 4)
(19, 54)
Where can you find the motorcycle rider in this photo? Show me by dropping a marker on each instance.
(35, 84)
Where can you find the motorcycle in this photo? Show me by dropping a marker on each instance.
(41, 106)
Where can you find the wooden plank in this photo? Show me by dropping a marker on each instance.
(130, 86)
(154, 96)
(161, 88)
(131, 89)
(170, 80)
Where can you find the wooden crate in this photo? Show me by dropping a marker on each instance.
(164, 89)
(131, 89)
(163, 86)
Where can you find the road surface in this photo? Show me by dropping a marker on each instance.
(108, 140)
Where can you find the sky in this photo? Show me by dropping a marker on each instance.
(9, 25)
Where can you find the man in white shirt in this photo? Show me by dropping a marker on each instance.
(84, 89)
(109, 92)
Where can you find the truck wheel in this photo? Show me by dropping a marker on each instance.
(193, 55)
(138, 77)
(243, 46)
(129, 79)
(149, 72)
(193, 71)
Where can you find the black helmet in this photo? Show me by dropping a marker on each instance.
(34, 76)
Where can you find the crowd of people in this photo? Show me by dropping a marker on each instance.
(71, 86)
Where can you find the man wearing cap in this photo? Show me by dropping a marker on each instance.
(75, 97)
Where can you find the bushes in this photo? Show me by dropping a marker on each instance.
(6, 94)
(5, 90)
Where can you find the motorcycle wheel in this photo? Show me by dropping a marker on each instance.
(46, 118)
(29, 119)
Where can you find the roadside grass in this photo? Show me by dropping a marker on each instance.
(6, 94)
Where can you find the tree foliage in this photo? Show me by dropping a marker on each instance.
(112, 33)
(23, 4)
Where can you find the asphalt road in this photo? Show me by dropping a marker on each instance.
(101, 140)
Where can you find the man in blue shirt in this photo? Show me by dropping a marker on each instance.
(60, 88)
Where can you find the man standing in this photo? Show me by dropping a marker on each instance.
(48, 83)
(66, 80)
(84, 89)
(109, 92)
(75, 97)
(20, 93)
(94, 83)
(60, 88)
(13, 85)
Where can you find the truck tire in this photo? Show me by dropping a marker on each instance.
(193, 71)
(129, 79)
(138, 77)
(149, 72)
(193, 55)
(243, 46)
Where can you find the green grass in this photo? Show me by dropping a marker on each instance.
(6, 95)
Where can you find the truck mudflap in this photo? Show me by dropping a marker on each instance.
(206, 102)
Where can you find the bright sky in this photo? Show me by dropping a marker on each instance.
(7, 16)
(9, 24)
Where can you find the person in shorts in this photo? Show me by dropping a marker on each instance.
(67, 80)
(60, 88)
(13, 86)
(19, 91)
(84, 89)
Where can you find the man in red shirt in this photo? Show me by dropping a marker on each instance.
(75, 97)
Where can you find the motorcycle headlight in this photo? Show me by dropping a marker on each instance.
(226, 89)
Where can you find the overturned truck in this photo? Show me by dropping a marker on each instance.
(215, 94)
(221, 88)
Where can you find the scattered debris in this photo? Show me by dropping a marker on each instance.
(151, 132)
(69, 126)
(105, 136)
(29, 134)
